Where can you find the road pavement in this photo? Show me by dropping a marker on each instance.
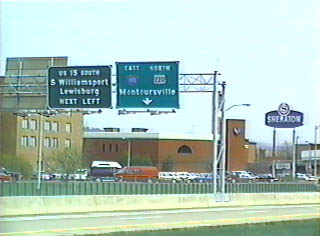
(86, 223)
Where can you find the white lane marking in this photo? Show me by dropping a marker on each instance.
(95, 215)
(140, 218)
(252, 212)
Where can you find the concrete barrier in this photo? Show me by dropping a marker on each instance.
(97, 203)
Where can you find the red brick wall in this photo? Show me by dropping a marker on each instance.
(200, 160)
(238, 152)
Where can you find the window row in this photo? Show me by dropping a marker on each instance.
(31, 141)
(29, 124)
(110, 147)
(28, 141)
(184, 150)
(47, 126)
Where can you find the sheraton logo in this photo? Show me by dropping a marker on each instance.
(284, 117)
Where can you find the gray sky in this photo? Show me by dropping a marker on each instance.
(267, 51)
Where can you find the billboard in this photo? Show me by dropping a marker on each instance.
(148, 84)
(24, 86)
(81, 87)
(284, 117)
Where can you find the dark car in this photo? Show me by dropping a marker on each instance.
(15, 176)
(266, 178)
(205, 178)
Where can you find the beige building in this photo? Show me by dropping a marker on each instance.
(23, 97)
(20, 135)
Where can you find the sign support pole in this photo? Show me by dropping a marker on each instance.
(293, 154)
(214, 131)
(274, 142)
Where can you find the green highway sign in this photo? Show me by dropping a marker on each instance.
(148, 84)
(79, 87)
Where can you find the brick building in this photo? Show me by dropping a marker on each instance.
(166, 151)
(192, 153)
(239, 151)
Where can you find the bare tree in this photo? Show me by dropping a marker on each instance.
(67, 161)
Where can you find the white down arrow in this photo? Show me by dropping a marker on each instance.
(147, 101)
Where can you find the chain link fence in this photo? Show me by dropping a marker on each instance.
(96, 188)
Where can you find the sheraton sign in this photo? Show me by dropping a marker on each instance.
(284, 117)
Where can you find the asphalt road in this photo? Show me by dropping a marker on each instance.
(86, 223)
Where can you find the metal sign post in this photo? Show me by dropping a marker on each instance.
(294, 154)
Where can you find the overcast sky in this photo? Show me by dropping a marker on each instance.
(268, 52)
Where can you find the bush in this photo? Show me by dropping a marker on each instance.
(16, 164)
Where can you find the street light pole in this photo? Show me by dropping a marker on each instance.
(236, 105)
(40, 142)
(315, 151)
(129, 152)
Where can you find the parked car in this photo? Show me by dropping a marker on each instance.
(137, 173)
(5, 178)
(306, 177)
(241, 176)
(266, 178)
(14, 175)
(184, 176)
(169, 177)
(205, 178)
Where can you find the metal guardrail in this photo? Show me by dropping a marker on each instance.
(96, 188)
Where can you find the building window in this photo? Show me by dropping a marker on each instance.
(33, 124)
(32, 141)
(68, 128)
(54, 143)
(46, 142)
(117, 147)
(184, 150)
(28, 141)
(67, 143)
(24, 141)
(47, 126)
(24, 124)
(103, 148)
(54, 126)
